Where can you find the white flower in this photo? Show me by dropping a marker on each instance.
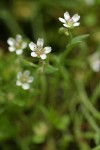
(24, 80)
(95, 62)
(16, 44)
(70, 22)
(38, 50)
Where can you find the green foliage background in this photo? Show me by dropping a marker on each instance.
(62, 109)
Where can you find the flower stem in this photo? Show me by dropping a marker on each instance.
(68, 49)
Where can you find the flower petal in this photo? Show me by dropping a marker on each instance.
(66, 15)
(19, 51)
(62, 20)
(76, 24)
(24, 45)
(11, 48)
(76, 17)
(19, 75)
(25, 86)
(30, 79)
(26, 73)
(33, 54)
(32, 46)
(11, 41)
(40, 42)
(65, 25)
(47, 49)
(96, 66)
(43, 56)
(18, 83)
(18, 37)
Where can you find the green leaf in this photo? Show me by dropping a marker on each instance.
(71, 45)
(50, 69)
(25, 62)
(38, 139)
(63, 123)
(77, 40)
(51, 115)
(80, 38)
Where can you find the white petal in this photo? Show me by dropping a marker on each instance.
(40, 42)
(66, 15)
(43, 56)
(47, 49)
(32, 46)
(11, 41)
(96, 66)
(76, 24)
(11, 48)
(18, 83)
(62, 20)
(19, 51)
(24, 45)
(26, 73)
(33, 54)
(18, 37)
(95, 56)
(19, 75)
(76, 17)
(65, 25)
(30, 79)
(25, 86)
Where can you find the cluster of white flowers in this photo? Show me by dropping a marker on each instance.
(69, 22)
(24, 79)
(17, 44)
(95, 62)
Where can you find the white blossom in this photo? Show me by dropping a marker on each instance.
(70, 22)
(38, 50)
(95, 62)
(24, 79)
(16, 44)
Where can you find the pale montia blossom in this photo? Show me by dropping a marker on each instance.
(70, 22)
(95, 62)
(17, 44)
(24, 79)
(38, 50)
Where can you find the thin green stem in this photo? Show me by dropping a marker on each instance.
(90, 119)
(85, 100)
(68, 49)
